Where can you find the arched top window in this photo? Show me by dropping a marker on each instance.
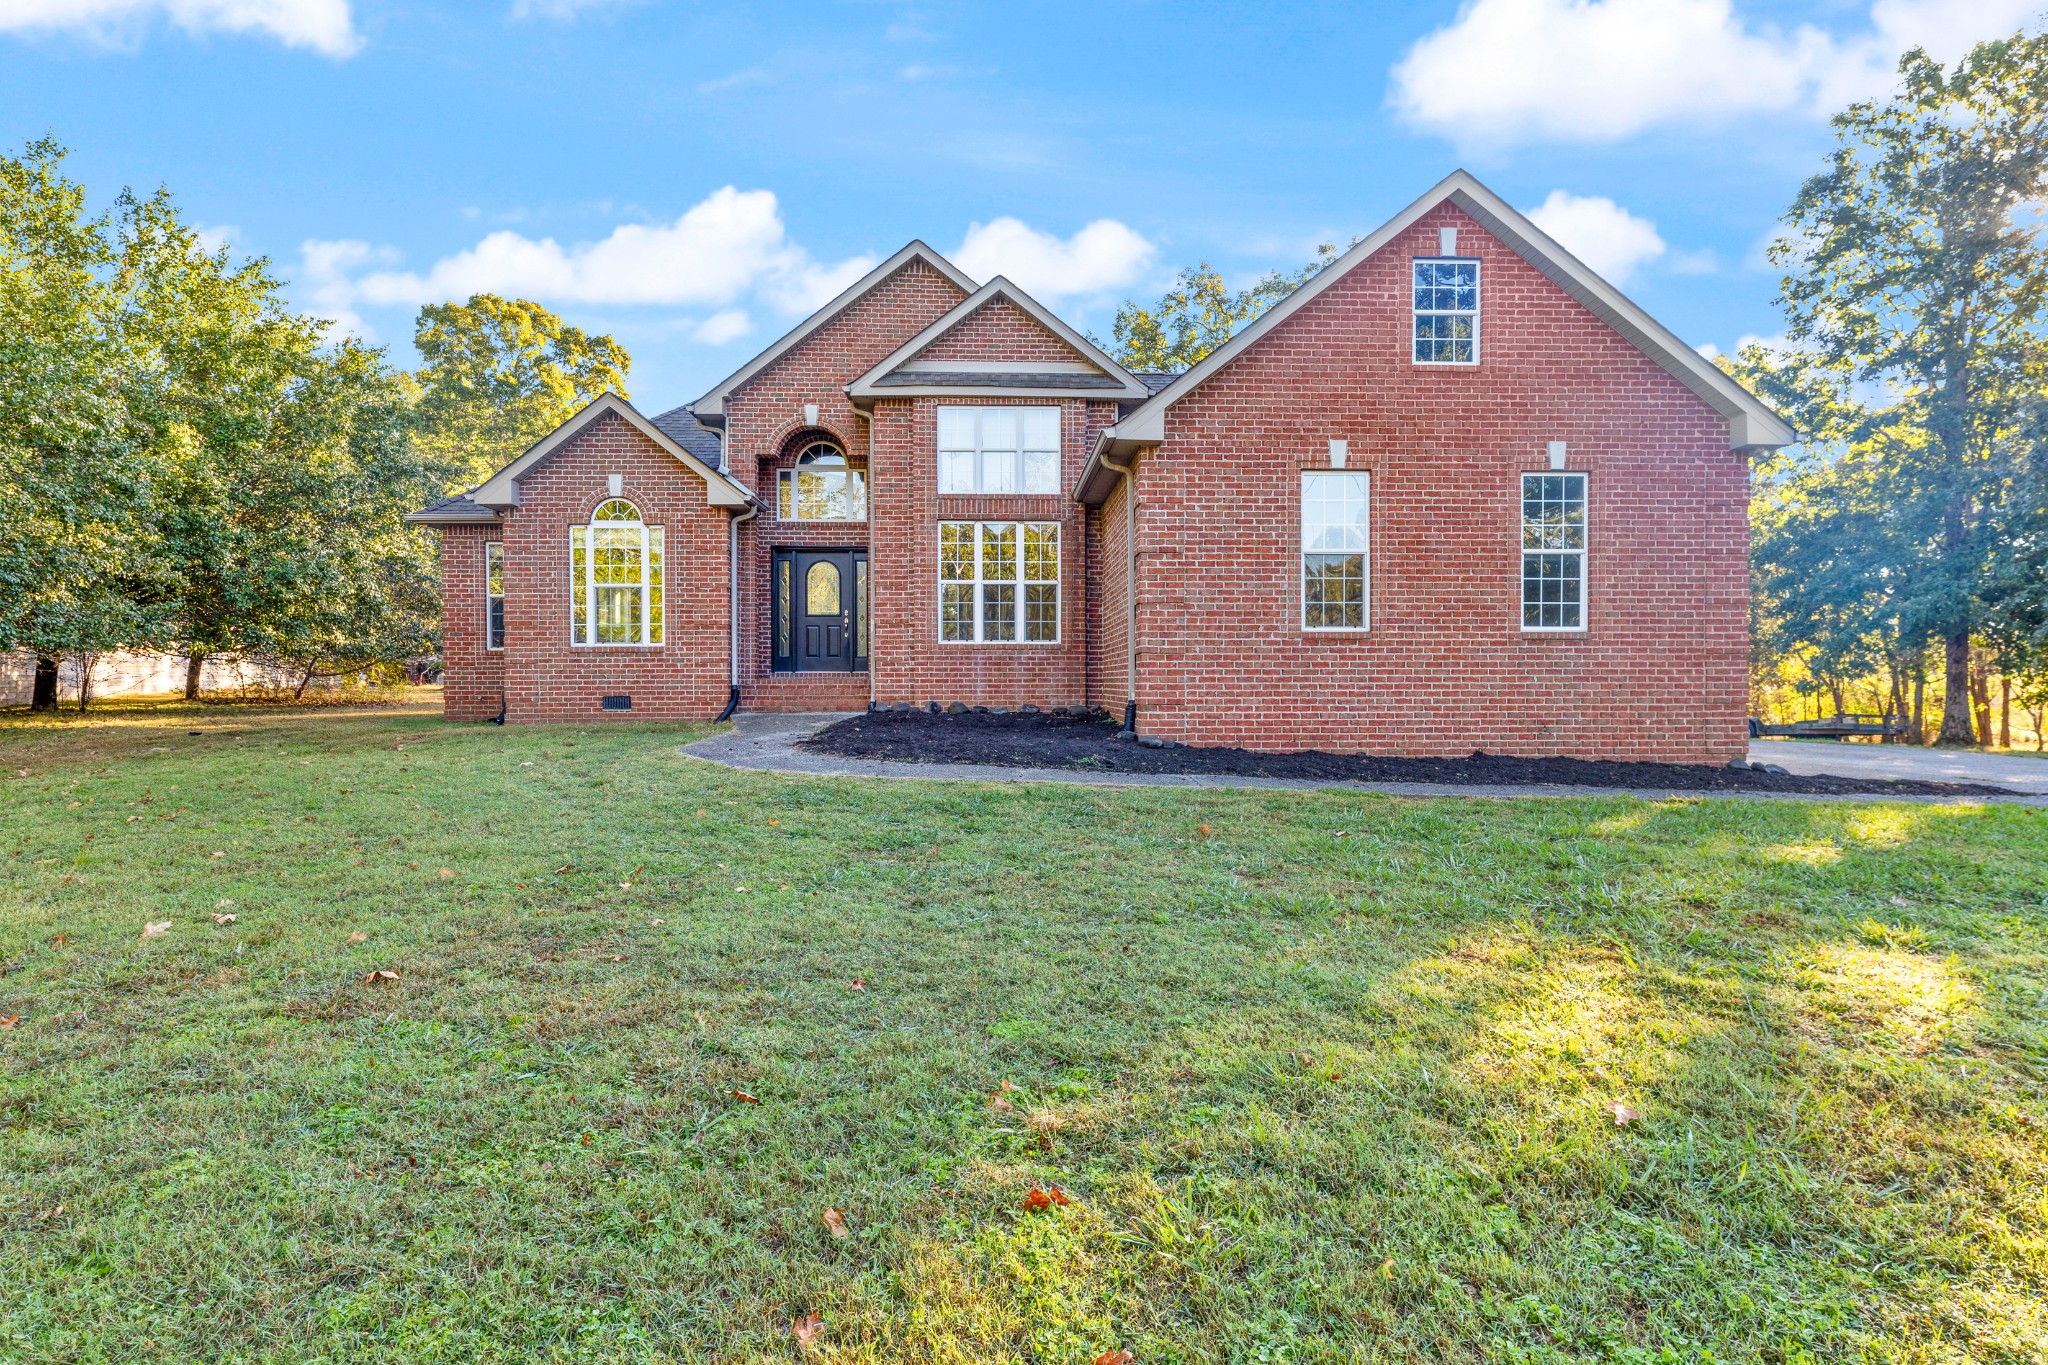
(823, 486)
(615, 578)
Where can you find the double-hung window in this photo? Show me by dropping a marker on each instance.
(1334, 549)
(999, 450)
(1553, 552)
(823, 486)
(494, 594)
(615, 578)
(999, 582)
(1446, 311)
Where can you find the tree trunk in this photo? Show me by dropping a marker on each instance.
(44, 697)
(1835, 691)
(2004, 712)
(2039, 715)
(1955, 692)
(1919, 703)
(195, 664)
(303, 681)
(86, 664)
(1980, 697)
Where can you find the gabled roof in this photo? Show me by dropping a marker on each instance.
(900, 375)
(683, 428)
(1750, 422)
(710, 409)
(455, 511)
(501, 490)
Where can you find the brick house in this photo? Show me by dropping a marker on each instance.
(1454, 493)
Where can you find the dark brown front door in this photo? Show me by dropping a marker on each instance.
(821, 610)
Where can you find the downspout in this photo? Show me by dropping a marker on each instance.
(869, 415)
(1125, 473)
(732, 611)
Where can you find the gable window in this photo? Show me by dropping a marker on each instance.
(999, 582)
(1446, 312)
(1334, 549)
(615, 578)
(823, 486)
(1553, 552)
(494, 594)
(999, 450)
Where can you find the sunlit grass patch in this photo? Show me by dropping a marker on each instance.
(1916, 1000)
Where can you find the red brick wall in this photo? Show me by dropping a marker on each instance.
(1660, 672)
(998, 330)
(766, 426)
(910, 663)
(1109, 601)
(472, 677)
(548, 678)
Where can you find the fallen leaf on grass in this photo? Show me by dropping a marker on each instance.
(447, 871)
(358, 936)
(60, 940)
(653, 922)
(1035, 1198)
(807, 1328)
(774, 822)
(219, 918)
(742, 1096)
(563, 868)
(151, 928)
(217, 853)
(836, 1222)
(859, 983)
(1203, 831)
(8, 1021)
(1623, 1115)
(618, 957)
(381, 974)
(1115, 1357)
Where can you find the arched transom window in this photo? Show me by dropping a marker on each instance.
(823, 486)
(615, 578)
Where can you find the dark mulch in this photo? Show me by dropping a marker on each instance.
(1088, 742)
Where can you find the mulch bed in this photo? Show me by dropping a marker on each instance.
(1088, 742)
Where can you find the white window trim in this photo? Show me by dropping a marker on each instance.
(1478, 307)
(493, 549)
(1584, 552)
(943, 582)
(1058, 450)
(787, 478)
(589, 529)
(1302, 552)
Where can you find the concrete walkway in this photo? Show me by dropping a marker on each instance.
(766, 743)
(1807, 757)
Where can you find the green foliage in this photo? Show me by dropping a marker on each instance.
(1200, 313)
(196, 467)
(1916, 278)
(499, 374)
(1326, 1074)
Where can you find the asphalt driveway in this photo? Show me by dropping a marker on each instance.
(2025, 774)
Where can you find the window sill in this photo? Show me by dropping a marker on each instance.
(1552, 630)
(608, 645)
(1000, 644)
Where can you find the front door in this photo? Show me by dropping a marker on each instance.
(821, 610)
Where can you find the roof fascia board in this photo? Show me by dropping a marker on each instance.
(501, 489)
(1750, 423)
(710, 409)
(443, 519)
(999, 287)
(994, 391)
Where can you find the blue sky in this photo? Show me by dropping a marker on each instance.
(692, 178)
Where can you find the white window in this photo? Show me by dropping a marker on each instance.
(822, 487)
(494, 594)
(1334, 550)
(999, 581)
(999, 450)
(1446, 312)
(1553, 552)
(615, 578)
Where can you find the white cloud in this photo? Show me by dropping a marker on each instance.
(323, 25)
(1103, 255)
(727, 247)
(1511, 71)
(719, 328)
(1599, 232)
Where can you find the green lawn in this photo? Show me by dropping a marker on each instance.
(1327, 1076)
